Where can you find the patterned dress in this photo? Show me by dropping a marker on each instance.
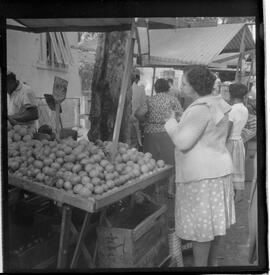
(204, 209)
(156, 139)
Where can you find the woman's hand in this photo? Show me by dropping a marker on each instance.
(169, 115)
(12, 121)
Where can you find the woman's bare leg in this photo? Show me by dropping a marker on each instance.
(201, 252)
(213, 253)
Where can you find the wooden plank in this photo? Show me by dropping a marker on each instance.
(80, 242)
(146, 224)
(53, 193)
(124, 86)
(56, 50)
(132, 187)
(150, 238)
(64, 236)
(86, 253)
(63, 50)
(91, 204)
(153, 80)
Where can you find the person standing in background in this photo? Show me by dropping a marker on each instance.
(175, 92)
(138, 99)
(153, 113)
(22, 105)
(238, 117)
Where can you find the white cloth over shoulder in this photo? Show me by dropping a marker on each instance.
(22, 97)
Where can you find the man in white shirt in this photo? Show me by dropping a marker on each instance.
(22, 106)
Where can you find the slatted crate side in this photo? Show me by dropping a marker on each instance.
(150, 238)
(126, 243)
(156, 255)
(114, 247)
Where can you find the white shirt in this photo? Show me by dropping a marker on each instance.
(22, 96)
(138, 96)
(239, 116)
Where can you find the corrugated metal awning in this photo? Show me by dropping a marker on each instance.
(195, 46)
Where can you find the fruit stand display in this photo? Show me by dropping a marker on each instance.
(78, 174)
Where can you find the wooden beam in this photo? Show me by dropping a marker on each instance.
(153, 80)
(124, 87)
(139, 46)
(64, 236)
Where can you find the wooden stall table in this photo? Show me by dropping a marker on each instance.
(90, 205)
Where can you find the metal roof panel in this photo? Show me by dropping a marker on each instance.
(196, 45)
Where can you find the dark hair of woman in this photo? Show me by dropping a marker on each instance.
(238, 90)
(161, 85)
(201, 79)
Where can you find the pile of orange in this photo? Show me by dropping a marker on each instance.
(77, 167)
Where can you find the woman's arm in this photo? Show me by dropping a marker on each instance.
(185, 134)
(141, 111)
(229, 128)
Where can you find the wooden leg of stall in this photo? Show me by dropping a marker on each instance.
(87, 256)
(64, 236)
(80, 242)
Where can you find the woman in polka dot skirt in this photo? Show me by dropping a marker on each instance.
(204, 206)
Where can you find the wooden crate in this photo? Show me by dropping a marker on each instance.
(34, 253)
(138, 237)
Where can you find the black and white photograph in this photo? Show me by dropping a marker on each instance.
(132, 142)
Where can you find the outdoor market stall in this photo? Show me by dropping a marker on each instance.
(127, 186)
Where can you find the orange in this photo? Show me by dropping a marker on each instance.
(77, 188)
(85, 192)
(89, 186)
(85, 180)
(67, 185)
(47, 161)
(76, 168)
(38, 164)
(160, 163)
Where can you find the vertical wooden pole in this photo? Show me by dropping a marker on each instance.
(238, 75)
(124, 86)
(64, 236)
(57, 119)
(153, 80)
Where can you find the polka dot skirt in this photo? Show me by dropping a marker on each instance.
(204, 209)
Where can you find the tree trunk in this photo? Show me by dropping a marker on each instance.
(106, 85)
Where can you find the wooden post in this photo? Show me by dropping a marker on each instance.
(238, 75)
(153, 80)
(124, 86)
(57, 119)
(64, 236)
(80, 241)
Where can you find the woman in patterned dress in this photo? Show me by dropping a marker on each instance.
(204, 206)
(154, 112)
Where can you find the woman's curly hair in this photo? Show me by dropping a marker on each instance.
(161, 85)
(201, 79)
(238, 90)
